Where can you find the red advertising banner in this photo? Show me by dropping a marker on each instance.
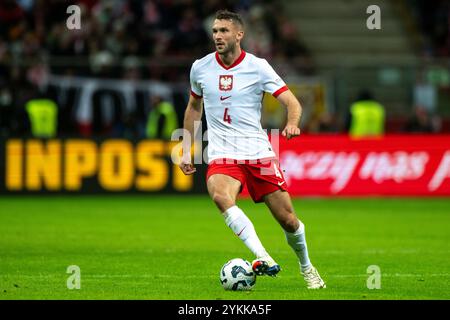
(406, 165)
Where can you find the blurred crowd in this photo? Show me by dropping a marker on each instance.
(117, 34)
(143, 39)
(124, 39)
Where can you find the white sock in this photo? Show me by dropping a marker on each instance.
(241, 225)
(298, 242)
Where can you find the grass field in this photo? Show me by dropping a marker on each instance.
(169, 247)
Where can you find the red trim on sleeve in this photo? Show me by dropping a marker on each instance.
(234, 64)
(280, 91)
(195, 95)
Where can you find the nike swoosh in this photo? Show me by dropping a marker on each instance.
(224, 98)
(241, 231)
(281, 183)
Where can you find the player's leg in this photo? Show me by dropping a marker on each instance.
(280, 204)
(281, 207)
(223, 190)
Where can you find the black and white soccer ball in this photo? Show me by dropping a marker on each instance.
(237, 274)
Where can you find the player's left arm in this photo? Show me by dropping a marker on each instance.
(294, 114)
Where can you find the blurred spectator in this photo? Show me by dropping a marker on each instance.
(258, 39)
(290, 47)
(11, 16)
(189, 36)
(273, 114)
(420, 122)
(43, 115)
(327, 123)
(162, 119)
(366, 117)
(287, 44)
(102, 63)
(6, 110)
(108, 114)
(434, 22)
(131, 68)
(22, 91)
(425, 94)
(26, 5)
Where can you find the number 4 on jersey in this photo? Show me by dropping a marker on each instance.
(226, 116)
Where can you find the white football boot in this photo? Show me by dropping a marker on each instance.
(313, 279)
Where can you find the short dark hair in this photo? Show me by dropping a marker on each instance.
(228, 15)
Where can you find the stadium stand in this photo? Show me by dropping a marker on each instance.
(146, 40)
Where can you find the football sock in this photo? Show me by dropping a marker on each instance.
(241, 225)
(298, 242)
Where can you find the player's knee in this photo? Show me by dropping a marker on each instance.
(291, 223)
(222, 200)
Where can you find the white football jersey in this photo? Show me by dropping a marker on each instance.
(232, 99)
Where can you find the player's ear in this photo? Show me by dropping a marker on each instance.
(240, 34)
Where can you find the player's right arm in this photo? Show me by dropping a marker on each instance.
(193, 113)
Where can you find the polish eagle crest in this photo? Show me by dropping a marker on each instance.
(225, 83)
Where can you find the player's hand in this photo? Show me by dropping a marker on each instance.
(186, 165)
(290, 131)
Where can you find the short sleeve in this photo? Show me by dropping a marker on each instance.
(271, 82)
(196, 90)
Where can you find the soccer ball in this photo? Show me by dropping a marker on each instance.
(237, 274)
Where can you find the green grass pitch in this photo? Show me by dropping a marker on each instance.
(172, 247)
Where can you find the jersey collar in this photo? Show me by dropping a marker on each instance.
(234, 64)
